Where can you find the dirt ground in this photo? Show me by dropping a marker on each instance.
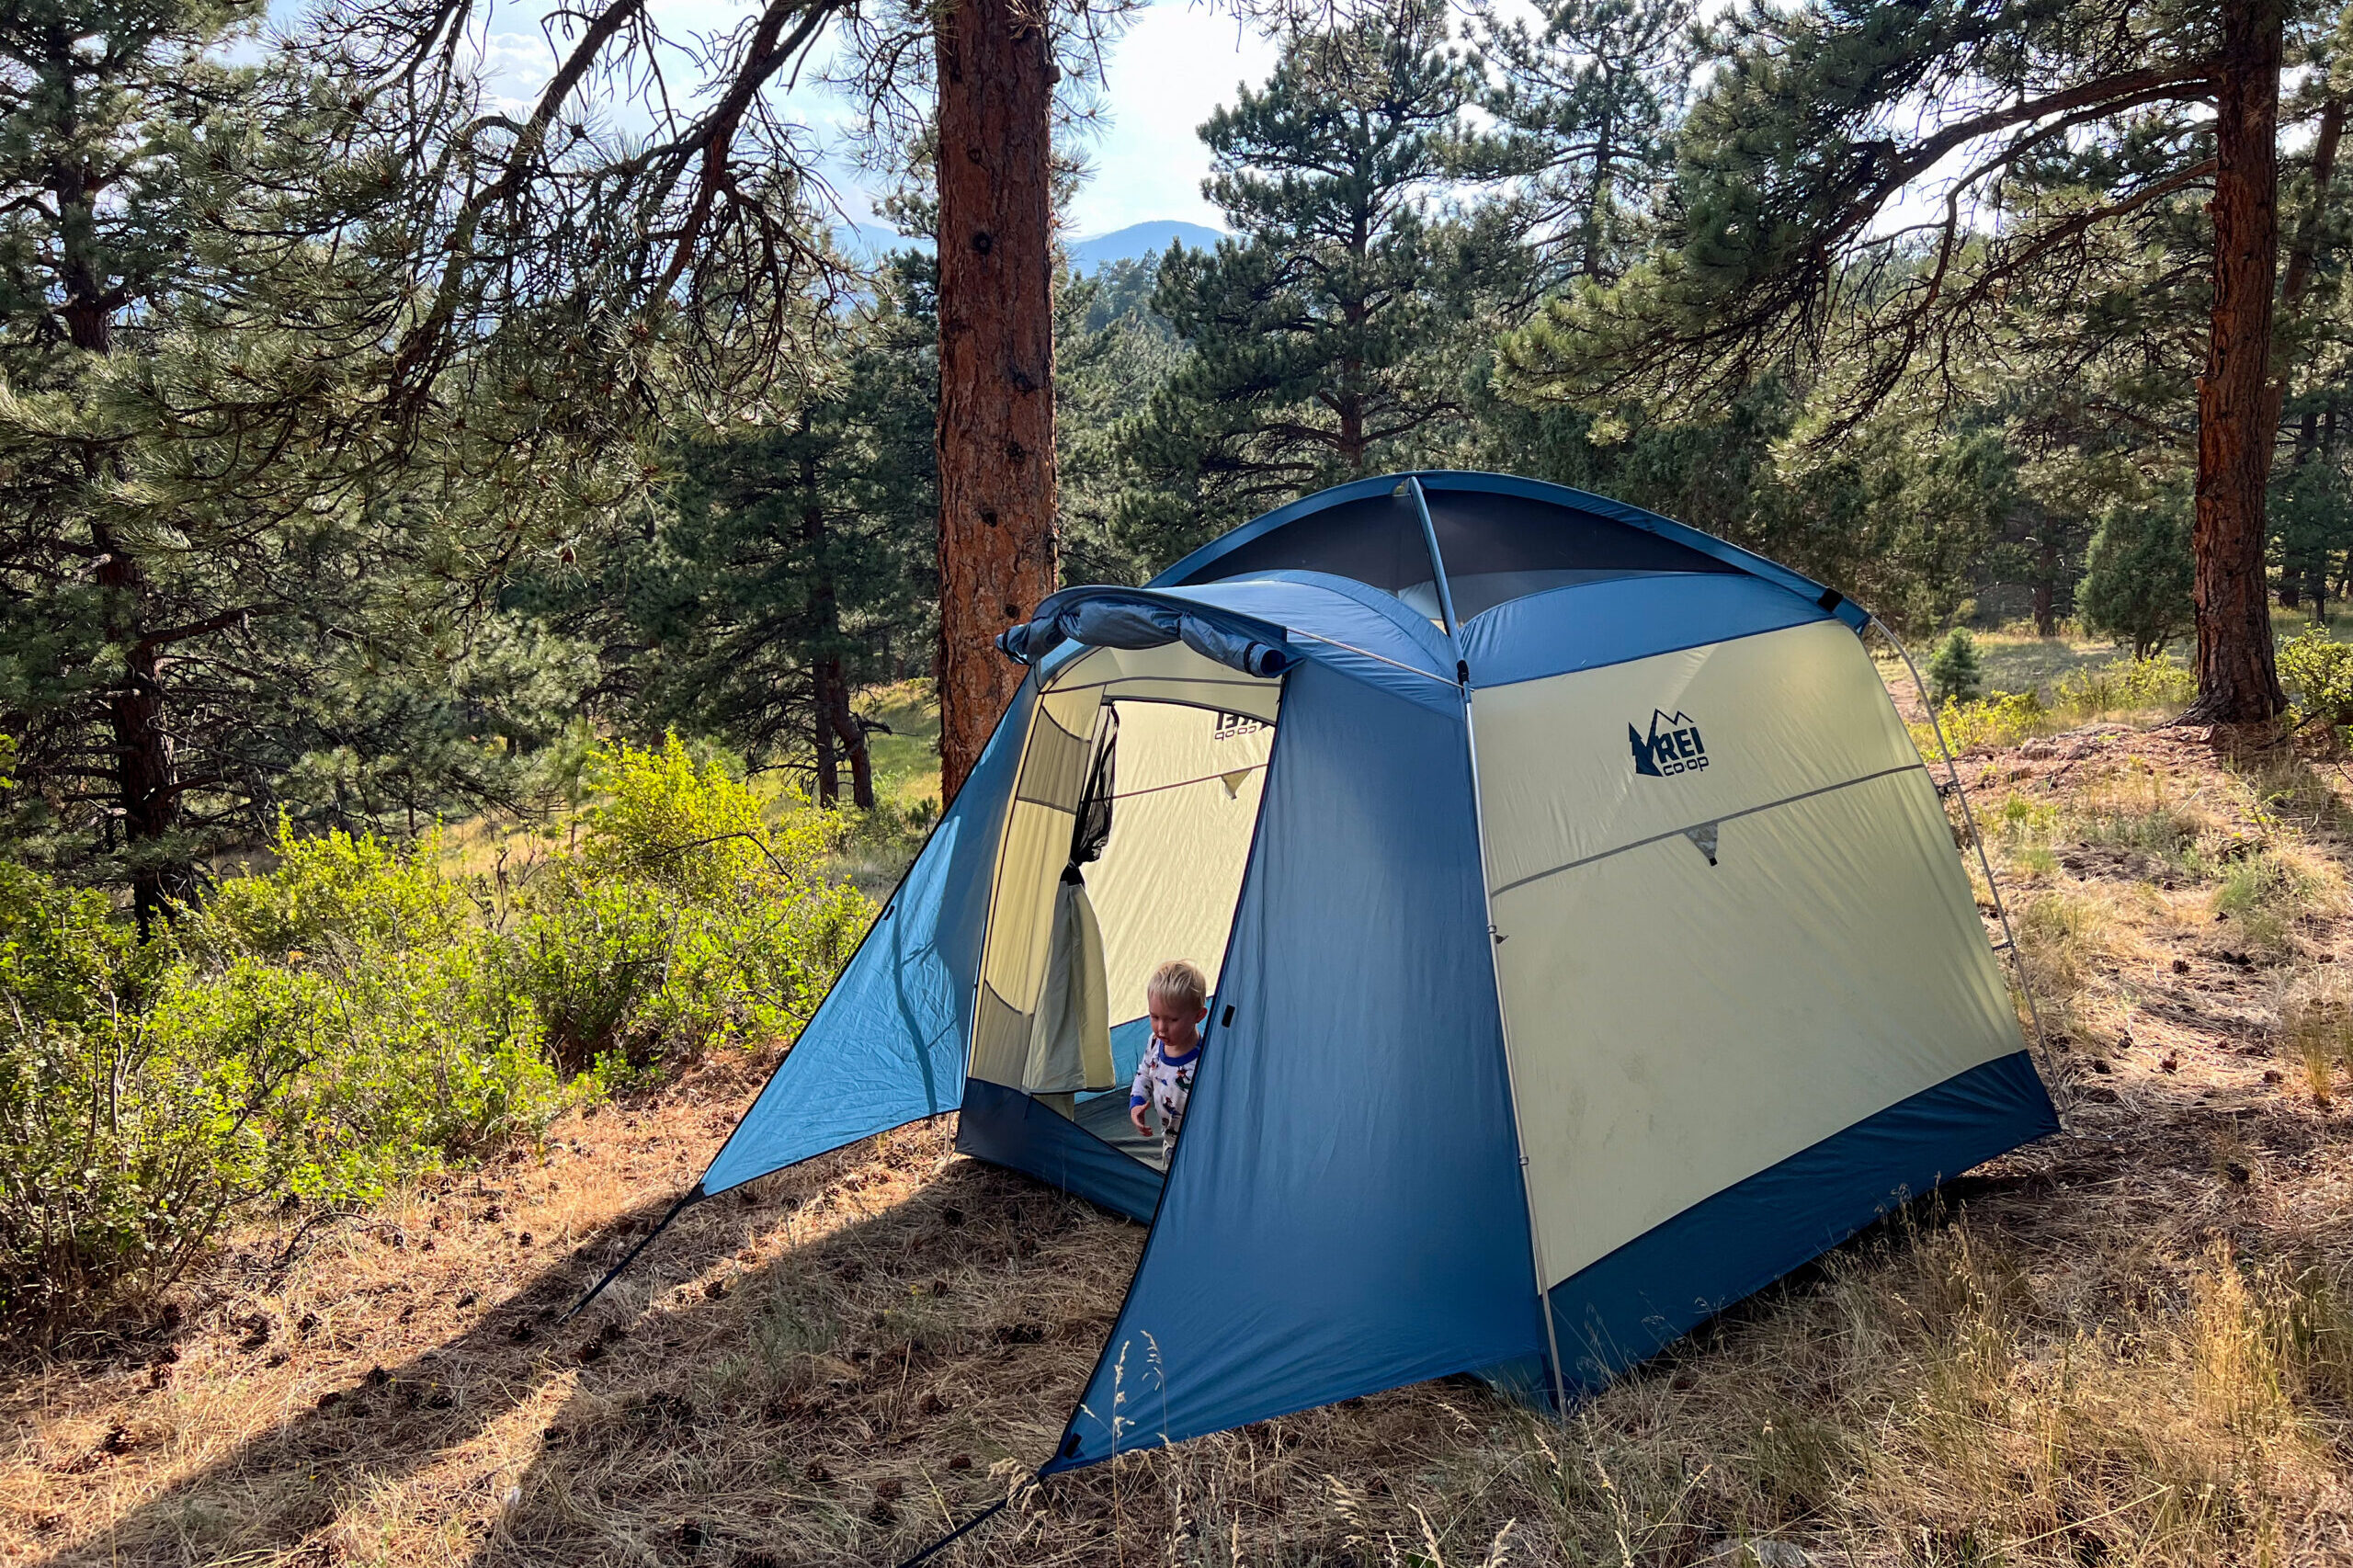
(2131, 1343)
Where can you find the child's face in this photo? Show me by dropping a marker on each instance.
(1177, 1024)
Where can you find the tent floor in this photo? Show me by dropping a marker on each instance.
(1106, 1116)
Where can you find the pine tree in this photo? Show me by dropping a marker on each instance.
(1954, 669)
(790, 563)
(224, 589)
(1112, 352)
(2136, 584)
(1328, 340)
(93, 218)
(1588, 98)
(1817, 120)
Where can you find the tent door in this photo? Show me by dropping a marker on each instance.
(1138, 803)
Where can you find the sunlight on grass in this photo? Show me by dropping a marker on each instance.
(2316, 1029)
(2267, 893)
(2086, 692)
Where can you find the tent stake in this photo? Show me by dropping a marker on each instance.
(693, 1195)
(2009, 941)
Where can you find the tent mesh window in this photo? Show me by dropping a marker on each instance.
(1094, 826)
(1498, 548)
(1376, 540)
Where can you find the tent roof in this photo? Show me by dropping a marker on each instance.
(1499, 538)
(1426, 582)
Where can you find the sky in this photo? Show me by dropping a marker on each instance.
(1178, 62)
(1178, 59)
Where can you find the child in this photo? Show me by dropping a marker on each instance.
(1177, 999)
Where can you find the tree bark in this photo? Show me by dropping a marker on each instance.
(995, 433)
(2238, 400)
(821, 706)
(852, 735)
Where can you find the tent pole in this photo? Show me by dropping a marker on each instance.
(1984, 864)
(1503, 1029)
(1413, 487)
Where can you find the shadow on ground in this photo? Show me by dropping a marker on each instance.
(826, 1372)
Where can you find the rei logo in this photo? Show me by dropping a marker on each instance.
(1672, 746)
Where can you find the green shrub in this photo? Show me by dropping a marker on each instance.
(317, 1033)
(2137, 573)
(333, 900)
(1953, 669)
(416, 1048)
(2000, 719)
(359, 1015)
(2126, 686)
(686, 921)
(2004, 718)
(72, 1092)
(688, 829)
(2321, 670)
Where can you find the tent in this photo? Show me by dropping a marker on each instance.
(1588, 945)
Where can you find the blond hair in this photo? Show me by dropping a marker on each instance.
(1178, 982)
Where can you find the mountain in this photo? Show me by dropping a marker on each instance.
(872, 242)
(1149, 238)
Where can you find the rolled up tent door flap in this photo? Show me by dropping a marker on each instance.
(1070, 1042)
(1132, 618)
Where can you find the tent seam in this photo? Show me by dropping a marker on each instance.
(1511, 1079)
(1728, 817)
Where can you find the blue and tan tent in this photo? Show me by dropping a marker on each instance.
(1590, 948)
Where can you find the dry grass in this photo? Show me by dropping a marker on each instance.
(2129, 1344)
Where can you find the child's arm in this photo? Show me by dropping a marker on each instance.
(1140, 1093)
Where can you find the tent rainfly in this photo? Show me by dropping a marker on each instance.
(1587, 941)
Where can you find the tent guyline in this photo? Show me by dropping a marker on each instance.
(1587, 943)
(2009, 946)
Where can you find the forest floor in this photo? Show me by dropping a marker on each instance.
(2131, 1343)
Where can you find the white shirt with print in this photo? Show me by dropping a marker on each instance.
(1164, 1082)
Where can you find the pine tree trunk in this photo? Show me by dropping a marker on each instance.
(146, 791)
(2238, 401)
(2046, 584)
(2306, 249)
(824, 614)
(1605, 158)
(821, 708)
(145, 768)
(145, 777)
(854, 747)
(997, 547)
